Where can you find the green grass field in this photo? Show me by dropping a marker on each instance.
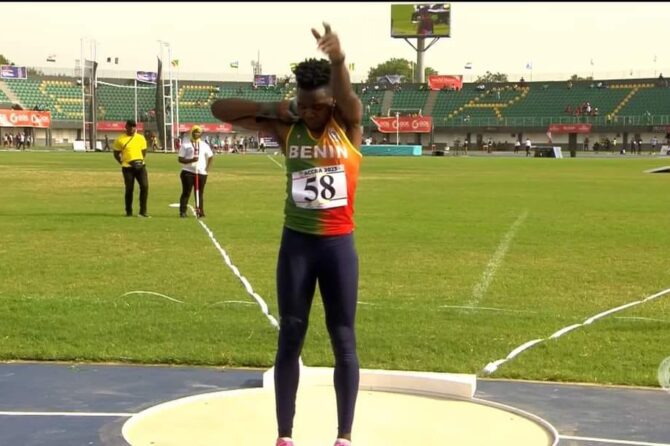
(582, 236)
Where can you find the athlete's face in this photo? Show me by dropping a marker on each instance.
(315, 107)
(130, 130)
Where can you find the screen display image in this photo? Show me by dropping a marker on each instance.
(421, 20)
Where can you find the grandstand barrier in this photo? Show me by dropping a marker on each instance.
(391, 150)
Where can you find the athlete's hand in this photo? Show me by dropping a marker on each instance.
(329, 43)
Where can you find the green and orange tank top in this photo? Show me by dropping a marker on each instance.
(321, 179)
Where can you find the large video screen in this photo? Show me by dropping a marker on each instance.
(421, 20)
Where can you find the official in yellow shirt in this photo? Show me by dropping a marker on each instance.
(130, 150)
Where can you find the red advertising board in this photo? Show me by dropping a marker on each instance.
(25, 118)
(404, 124)
(219, 127)
(569, 128)
(120, 126)
(448, 81)
(116, 126)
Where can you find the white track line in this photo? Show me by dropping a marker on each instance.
(608, 440)
(275, 161)
(66, 414)
(480, 289)
(247, 286)
(493, 366)
(155, 294)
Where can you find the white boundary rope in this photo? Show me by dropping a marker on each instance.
(493, 366)
(154, 293)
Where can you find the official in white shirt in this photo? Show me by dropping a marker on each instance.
(196, 157)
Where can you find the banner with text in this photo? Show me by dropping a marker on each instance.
(265, 80)
(404, 124)
(442, 81)
(120, 126)
(116, 126)
(569, 128)
(25, 118)
(12, 72)
(220, 127)
(147, 76)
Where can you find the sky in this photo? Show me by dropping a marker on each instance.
(554, 39)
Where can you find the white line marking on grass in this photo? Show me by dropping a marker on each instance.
(66, 414)
(153, 293)
(275, 161)
(639, 318)
(475, 308)
(493, 366)
(480, 289)
(611, 441)
(247, 286)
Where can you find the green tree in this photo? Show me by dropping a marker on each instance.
(492, 77)
(402, 67)
(4, 60)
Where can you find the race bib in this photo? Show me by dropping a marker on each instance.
(320, 187)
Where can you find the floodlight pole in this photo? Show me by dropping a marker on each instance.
(420, 48)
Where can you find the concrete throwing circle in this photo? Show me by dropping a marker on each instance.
(247, 417)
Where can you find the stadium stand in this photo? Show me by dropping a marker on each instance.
(619, 102)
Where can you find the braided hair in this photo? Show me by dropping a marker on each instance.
(312, 74)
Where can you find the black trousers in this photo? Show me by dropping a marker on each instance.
(129, 176)
(187, 184)
(331, 261)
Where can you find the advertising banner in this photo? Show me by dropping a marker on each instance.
(404, 124)
(116, 126)
(12, 72)
(442, 81)
(25, 118)
(265, 80)
(147, 76)
(569, 128)
(219, 127)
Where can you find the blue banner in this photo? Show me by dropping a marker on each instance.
(147, 76)
(265, 80)
(12, 72)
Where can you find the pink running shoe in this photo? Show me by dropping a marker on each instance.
(342, 442)
(284, 442)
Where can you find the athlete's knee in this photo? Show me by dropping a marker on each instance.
(292, 332)
(343, 340)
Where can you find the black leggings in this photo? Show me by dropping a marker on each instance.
(131, 174)
(188, 183)
(303, 260)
